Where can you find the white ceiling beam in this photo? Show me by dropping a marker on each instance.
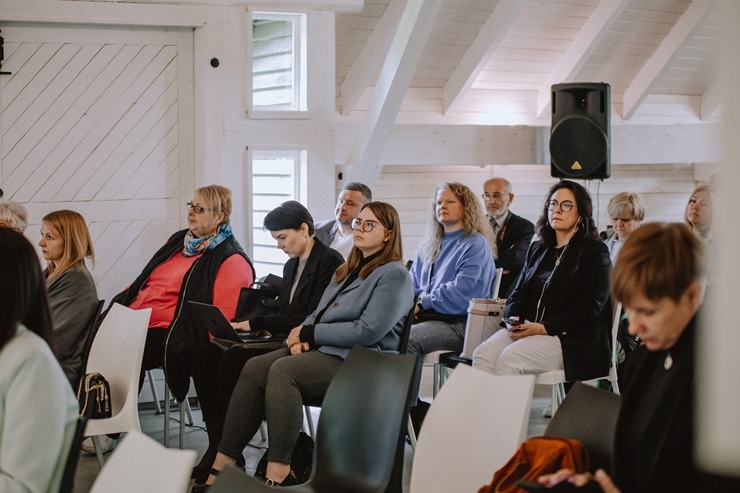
(408, 43)
(638, 90)
(480, 51)
(371, 58)
(711, 99)
(593, 30)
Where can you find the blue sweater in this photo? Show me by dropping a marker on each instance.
(464, 270)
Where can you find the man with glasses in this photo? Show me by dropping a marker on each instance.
(337, 233)
(513, 233)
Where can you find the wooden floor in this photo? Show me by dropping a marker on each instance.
(195, 437)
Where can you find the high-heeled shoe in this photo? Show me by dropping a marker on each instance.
(202, 487)
(290, 480)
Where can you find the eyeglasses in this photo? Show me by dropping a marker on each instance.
(365, 226)
(197, 208)
(565, 206)
(495, 196)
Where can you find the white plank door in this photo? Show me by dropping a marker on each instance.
(99, 120)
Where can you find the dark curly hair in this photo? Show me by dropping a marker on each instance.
(586, 228)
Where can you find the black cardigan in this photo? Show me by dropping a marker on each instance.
(577, 304)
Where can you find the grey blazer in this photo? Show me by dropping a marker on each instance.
(325, 231)
(369, 312)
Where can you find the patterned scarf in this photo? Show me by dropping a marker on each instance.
(195, 246)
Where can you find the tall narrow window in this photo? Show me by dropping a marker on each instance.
(278, 61)
(277, 176)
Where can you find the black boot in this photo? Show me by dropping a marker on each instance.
(201, 471)
(417, 413)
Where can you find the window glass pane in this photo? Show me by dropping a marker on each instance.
(276, 61)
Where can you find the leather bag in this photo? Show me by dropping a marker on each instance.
(535, 457)
(254, 303)
(93, 395)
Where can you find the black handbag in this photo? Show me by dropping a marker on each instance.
(301, 460)
(93, 394)
(255, 303)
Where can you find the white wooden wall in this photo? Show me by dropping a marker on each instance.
(664, 189)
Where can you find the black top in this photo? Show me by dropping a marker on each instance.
(512, 243)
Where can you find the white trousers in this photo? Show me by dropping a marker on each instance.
(502, 355)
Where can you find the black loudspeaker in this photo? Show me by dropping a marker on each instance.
(580, 132)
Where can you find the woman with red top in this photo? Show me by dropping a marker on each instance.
(202, 263)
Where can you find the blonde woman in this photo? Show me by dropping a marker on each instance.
(65, 243)
(626, 212)
(698, 214)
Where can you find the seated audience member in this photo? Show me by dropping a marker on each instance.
(65, 243)
(365, 304)
(38, 412)
(626, 212)
(659, 278)
(561, 299)
(305, 276)
(513, 233)
(14, 216)
(202, 263)
(454, 264)
(337, 233)
(699, 213)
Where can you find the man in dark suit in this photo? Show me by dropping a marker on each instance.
(513, 233)
(337, 233)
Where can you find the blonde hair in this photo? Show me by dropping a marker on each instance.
(217, 198)
(629, 202)
(714, 223)
(78, 243)
(474, 221)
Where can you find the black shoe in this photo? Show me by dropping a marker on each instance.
(417, 414)
(290, 480)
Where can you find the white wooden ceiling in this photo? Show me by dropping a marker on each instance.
(494, 61)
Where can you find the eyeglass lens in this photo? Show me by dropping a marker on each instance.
(198, 209)
(496, 196)
(565, 206)
(366, 226)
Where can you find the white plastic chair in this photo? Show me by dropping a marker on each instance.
(556, 378)
(479, 419)
(143, 465)
(116, 353)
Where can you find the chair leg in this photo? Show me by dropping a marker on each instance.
(153, 388)
(558, 394)
(98, 450)
(189, 412)
(412, 434)
(309, 419)
(166, 440)
(437, 383)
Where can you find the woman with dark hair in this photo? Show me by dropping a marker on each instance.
(65, 243)
(305, 276)
(365, 304)
(561, 299)
(36, 402)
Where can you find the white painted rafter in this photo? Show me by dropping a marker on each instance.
(583, 45)
(638, 90)
(711, 99)
(407, 45)
(480, 51)
(370, 59)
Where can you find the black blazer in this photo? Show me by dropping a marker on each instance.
(512, 244)
(316, 276)
(577, 307)
(663, 461)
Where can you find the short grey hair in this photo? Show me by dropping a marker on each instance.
(629, 202)
(14, 215)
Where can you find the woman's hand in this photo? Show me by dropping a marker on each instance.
(294, 337)
(579, 480)
(526, 329)
(301, 347)
(241, 326)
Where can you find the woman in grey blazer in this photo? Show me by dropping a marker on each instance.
(365, 304)
(65, 243)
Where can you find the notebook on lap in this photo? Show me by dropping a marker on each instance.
(224, 334)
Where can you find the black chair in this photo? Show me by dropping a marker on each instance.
(359, 433)
(590, 415)
(73, 457)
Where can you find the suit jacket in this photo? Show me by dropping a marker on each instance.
(317, 274)
(663, 460)
(576, 304)
(369, 312)
(512, 244)
(324, 231)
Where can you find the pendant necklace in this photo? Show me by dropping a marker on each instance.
(558, 257)
(668, 361)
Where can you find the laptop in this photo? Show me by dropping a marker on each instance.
(215, 322)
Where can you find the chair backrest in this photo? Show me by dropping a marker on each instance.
(361, 421)
(116, 353)
(615, 350)
(90, 331)
(474, 426)
(403, 344)
(497, 282)
(590, 415)
(140, 464)
(73, 457)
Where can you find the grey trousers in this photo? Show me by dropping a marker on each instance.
(275, 385)
(433, 335)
